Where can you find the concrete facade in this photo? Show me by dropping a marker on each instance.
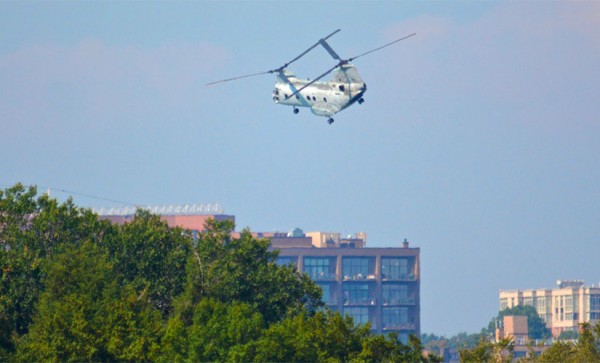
(563, 308)
(376, 285)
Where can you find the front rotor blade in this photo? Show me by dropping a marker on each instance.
(239, 77)
(383, 46)
(313, 81)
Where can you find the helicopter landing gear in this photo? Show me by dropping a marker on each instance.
(296, 110)
(361, 100)
(330, 120)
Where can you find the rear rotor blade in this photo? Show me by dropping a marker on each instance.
(239, 77)
(383, 46)
(330, 50)
(276, 70)
(304, 53)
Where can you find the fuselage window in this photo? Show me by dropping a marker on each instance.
(314, 98)
(286, 96)
(341, 87)
(297, 97)
(324, 99)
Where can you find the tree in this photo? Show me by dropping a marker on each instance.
(245, 270)
(84, 315)
(151, 257)
(558, 352)
(482, 352)
(32, 230)
(586, 348)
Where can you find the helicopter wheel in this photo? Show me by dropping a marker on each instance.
(296, 110)
(360, 101)
(330, 120)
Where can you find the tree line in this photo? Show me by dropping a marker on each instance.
(75, 287)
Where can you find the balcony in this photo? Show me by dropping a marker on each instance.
(322, 276)
(359, 277)
(400, 277)
(360, 302)
(399, 301)
(398, 326)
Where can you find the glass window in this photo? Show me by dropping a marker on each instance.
(356, 294)
(594, 302)
(319, 268)
(287, 260)
(360, 315)
(395, 318)
(356, 268)
(326, 293)
(395, 294)
(395, 268)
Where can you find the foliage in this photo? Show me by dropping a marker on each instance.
(569, 335)
(151, 257)
(84, 315)
(244, 270)
(74, 287)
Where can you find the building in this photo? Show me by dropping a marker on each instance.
(376, 285)
(562, 308)
(192, 217)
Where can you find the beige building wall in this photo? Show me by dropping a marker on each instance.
(563, 308)
(320, 239)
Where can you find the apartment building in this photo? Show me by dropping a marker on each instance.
(562, 308)
(380, 286)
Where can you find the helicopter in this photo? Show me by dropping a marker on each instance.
(344, 89)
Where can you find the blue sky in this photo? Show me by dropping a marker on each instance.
(478, 140)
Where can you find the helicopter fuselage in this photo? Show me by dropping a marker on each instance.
(323, 98)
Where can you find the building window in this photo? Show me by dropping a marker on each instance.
(595, 302)
(357, 294)
(287, 260)
(319, 268)
(357, 268)
(528, 301)
(328, 297)
(395, 268)
(395, 294)
(395, 318)
(360, 315)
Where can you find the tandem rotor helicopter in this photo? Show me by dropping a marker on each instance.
(345, 88)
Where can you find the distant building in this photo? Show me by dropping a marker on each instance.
(517, 329)
(562, 308)
(192, 217)
(376, 285)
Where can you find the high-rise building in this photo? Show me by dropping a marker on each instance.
(562, 308)
(376, 285)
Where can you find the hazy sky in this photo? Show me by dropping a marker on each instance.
(479, 138)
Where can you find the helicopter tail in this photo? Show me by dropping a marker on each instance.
(347, 73)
